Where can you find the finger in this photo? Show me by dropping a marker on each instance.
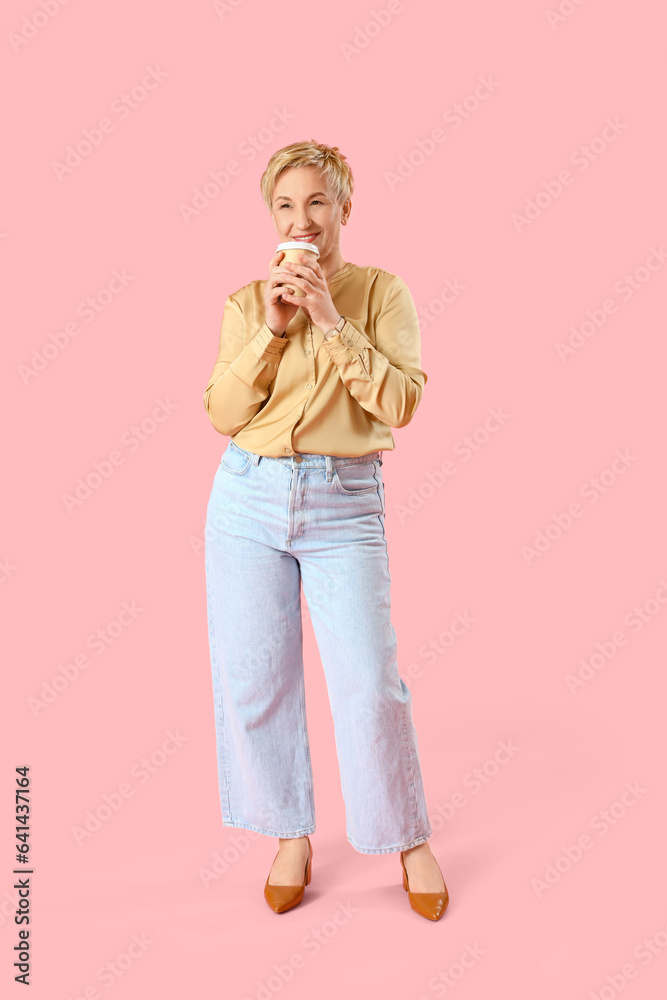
(282, 286)
(293, 267)
(292, 277)
(297, 269)
(308, 261)
(280, 277)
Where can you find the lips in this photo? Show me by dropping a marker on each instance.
(306, 239)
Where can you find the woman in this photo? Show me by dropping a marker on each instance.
(308, 390)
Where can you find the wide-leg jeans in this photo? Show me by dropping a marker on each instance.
(274, 525)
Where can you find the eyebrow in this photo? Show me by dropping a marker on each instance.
(284, 197)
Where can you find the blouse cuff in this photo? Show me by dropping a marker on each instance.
(267, 346)
(347, 340)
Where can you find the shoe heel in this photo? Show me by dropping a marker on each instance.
(309, 863)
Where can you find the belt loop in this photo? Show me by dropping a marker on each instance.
(329, 468)
(256, 459)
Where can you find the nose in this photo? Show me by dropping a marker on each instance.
(302, 221)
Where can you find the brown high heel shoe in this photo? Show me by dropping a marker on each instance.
(284, 897)
(431, 905)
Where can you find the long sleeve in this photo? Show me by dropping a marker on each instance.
(242, 374)
(385, 378)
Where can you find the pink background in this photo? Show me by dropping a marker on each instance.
(376, 92)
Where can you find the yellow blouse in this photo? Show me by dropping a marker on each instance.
(280, 396)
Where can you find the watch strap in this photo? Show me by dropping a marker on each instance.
(337, 328)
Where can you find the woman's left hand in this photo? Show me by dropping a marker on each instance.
(317, 302)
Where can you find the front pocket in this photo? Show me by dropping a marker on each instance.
(235, 460)
(356, 480)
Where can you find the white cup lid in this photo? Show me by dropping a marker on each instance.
(297, 245)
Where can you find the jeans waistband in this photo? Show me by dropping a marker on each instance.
(308, 460)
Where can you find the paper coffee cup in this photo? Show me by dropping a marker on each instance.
(292, 250)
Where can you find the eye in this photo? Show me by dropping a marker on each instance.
(315, 201)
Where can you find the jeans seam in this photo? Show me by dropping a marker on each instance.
(406, 744)
(226, 805)
(306, 742)
(286, 834)
(419, 838)
(380, 490)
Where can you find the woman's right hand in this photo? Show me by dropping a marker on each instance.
(278, 314)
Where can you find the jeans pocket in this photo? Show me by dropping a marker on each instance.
(235, 460)
(356, 480)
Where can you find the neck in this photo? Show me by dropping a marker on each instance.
(331, 264)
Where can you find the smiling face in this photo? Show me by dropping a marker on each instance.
(303, 206)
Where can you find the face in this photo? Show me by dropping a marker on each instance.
(303, 205)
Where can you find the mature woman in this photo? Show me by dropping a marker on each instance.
(308, 390)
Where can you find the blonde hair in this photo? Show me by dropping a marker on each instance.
(328, 159)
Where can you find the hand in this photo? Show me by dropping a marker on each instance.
(308, 277)
(278, 312)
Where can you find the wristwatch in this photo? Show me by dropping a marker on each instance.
(335, 329)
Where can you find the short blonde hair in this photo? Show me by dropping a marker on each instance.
(328, 159)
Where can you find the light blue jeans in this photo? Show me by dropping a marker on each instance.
(272, 526)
